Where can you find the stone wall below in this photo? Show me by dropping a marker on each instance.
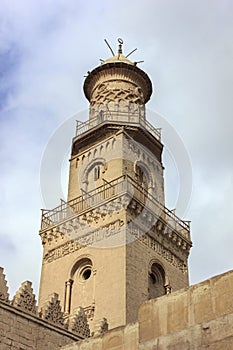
(23, 331)
(197, 317)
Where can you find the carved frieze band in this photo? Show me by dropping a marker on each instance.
(158, 248)
(102, 233)
(82, 241)
(108, 92)
(163, 252)
(64, 249)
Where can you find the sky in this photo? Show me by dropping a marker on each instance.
(46, 48)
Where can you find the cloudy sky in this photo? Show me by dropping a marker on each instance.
(47, 46)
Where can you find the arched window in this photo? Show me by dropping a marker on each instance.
(156, 283)
(142, 176)
(79, 287)
(82, 270)
(92, 173)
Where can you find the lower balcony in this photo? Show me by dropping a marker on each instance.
(123, 192)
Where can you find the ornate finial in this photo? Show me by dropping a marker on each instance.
(120, 41)
(109, 47)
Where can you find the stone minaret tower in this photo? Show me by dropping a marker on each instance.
(114, 244)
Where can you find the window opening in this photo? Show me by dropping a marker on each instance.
(97, 173)
(86, 273)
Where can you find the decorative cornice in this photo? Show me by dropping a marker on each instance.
(94, 235)
(81, 231)
(159, 248)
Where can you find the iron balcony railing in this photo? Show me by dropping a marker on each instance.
(116, 188)
(118, 117)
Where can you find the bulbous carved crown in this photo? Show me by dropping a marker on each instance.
(117, 79)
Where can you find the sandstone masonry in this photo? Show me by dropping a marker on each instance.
(195, 318)
(23, 327)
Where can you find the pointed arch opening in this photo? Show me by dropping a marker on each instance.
(92, 175)
(156, 280)
(79, 287)
(143, 175)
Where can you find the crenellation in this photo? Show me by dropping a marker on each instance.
(25, 298)
(21, 327)
(101, 327)
(22, 330)
(51, 310)
(4, 295)
(79, 324)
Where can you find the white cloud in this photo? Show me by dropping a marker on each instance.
(47, 47)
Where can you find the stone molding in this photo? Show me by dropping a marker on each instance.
(112, 147)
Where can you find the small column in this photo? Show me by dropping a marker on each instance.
(68, 290)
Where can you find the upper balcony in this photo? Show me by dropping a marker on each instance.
(119, 117)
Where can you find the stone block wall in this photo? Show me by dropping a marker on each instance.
(195, 318)
(24, 327)
(22, 331)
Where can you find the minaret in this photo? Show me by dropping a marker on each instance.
(114, 244)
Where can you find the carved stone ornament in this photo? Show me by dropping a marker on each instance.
(51, 311)
(137, 233)
(168, 289)
(25, 298)
(90, 311)
(101, 327)
(4, 296)
(87, 238)
(109, 92)
(78, 324)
